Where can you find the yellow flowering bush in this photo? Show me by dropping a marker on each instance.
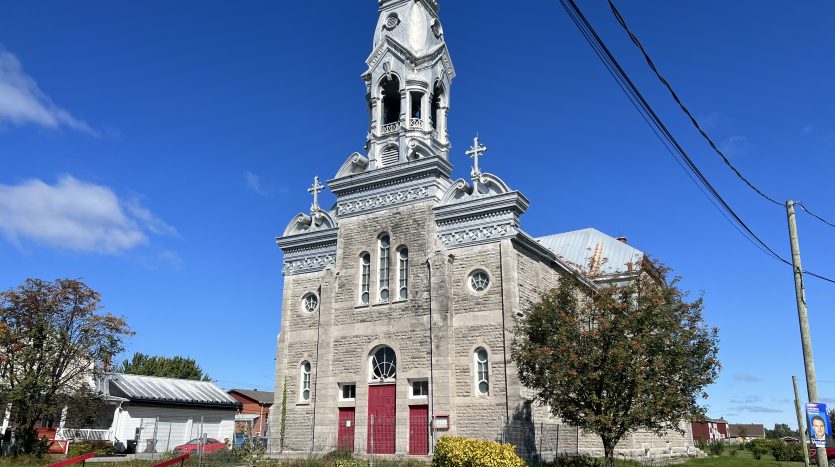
(454, 451)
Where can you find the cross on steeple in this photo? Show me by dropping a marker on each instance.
(315, 189)
(475, 152)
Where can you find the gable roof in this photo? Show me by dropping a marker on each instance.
(263, 397)
(751, 429)
(138, 388)
(582, 247)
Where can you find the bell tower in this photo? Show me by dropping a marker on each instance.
(408, 82)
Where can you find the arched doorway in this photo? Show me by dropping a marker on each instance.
(382, 398)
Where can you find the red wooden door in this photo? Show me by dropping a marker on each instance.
(381, 419)
(419, 430)
(345, 432)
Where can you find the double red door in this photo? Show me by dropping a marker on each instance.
(381, 413)
(419, 430)
(345, 432)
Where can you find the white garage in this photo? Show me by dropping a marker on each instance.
(156, 414)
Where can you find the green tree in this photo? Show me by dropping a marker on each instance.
(167, 367)
(53, 337)
(618, 358)
(781, 430)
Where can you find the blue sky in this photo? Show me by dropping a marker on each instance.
(155, 149)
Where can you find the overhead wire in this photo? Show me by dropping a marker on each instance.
(622, 21)
(659, 128)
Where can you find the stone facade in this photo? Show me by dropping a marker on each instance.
(470, 273)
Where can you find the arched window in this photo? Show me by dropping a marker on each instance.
(390, 91)
(482, 372)
(403, 273)
(383, 365)
(365, 278)
(385, 248)
(437, 99)
(304, 382)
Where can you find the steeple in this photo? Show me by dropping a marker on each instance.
(408, 81)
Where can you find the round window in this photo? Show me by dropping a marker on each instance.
(310, 303)
(392, 21)
(383, 365)
(479, 281)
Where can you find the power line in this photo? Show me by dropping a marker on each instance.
(659, 128)
(620, 19)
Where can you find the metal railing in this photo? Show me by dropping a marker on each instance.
(84, 434)
(390, 127)
(75, 460)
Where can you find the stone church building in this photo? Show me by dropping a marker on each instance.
(400, 300)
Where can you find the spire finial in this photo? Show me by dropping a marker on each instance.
(475, 152)
(315, 189)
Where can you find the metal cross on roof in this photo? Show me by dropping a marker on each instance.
(315, 189)
(475, 152)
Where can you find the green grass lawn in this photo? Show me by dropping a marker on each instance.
(742, 459)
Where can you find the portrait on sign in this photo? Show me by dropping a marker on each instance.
(819, 425)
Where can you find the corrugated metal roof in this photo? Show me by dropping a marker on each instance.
(590, 248)
(155, 389)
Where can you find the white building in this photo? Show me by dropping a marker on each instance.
(153, 415)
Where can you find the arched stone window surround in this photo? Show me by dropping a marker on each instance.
(470, 272)
(402, 273)
(364, 261)
(384, 262)
(474, 361)
(369, 367)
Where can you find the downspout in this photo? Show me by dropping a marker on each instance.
(504, 338)
(316, 374)
(431, 426)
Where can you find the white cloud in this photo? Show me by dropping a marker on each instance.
(75, 215)
(257, 185)
(22, 102)
(746, 378)
(735, 146)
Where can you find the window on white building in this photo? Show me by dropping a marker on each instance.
(403, 272)
(304, 382)
(482, 372)
(479, 281)
(420, 389)
(365, 278)
(383, 365)
(347, 391)
(385, 248)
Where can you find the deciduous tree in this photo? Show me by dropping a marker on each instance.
(167, 367)
(618, 358)
(53, 337)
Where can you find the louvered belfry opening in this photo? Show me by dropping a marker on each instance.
(390, 155)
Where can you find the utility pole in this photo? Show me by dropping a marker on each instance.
(803, 316)
(800, 425)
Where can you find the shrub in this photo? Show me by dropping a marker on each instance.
(789, 452)
(101, 448)
(716, 447)
(733, 452)
(453, 451)
(758, 447)
(701, 444)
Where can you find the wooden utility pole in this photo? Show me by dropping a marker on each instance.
(803, 316)
(800, 424)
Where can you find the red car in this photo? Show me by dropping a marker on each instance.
(830, 455)
(212, 445)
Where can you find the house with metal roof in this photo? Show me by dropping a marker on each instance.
(255, 411)
(152, 415)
